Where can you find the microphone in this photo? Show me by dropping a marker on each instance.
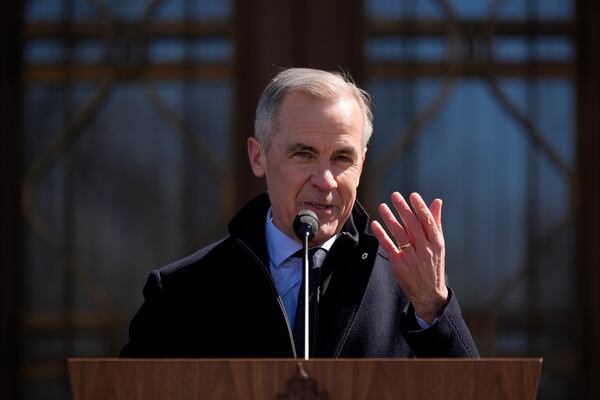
(306, 226)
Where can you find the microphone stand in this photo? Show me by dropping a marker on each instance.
(306, 226)
(306, 296)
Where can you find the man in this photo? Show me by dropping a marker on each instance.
(379, 295)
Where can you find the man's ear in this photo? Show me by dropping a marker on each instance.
(257, 157)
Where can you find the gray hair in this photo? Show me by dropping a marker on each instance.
(322, 85)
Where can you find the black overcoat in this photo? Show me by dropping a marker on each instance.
(221, 302)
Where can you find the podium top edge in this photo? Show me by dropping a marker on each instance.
(359, 360)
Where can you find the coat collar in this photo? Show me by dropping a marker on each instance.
(248, 225)
(252, 216)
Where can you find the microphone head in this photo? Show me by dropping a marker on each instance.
(306, 223)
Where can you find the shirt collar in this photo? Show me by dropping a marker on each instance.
(280, 246)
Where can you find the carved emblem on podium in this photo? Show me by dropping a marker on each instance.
(301, 387)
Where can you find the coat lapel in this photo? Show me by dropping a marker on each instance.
(346, 273)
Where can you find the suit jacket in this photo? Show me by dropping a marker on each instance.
(221, 302)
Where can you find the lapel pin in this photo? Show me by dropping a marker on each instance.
(364, 256)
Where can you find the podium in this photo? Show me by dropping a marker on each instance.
(288, 379)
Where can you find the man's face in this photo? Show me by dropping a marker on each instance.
(314, 161)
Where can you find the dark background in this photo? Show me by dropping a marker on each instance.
(123, 148)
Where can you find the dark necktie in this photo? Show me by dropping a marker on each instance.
(315, 259)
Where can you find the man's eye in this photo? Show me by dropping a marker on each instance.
(302, 154)
(344, 159)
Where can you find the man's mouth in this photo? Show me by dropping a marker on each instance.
(319, 206)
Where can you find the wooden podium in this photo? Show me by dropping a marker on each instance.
(285, 379)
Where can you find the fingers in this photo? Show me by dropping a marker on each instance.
(436, 210)
(425, 216)
(384, 240)
(390, 221)
(412, 224)
(423, 227)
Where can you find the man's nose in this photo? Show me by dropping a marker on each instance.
(324, 179)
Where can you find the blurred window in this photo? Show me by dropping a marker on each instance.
(474, 102)
(127, 119)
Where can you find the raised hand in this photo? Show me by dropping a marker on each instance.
(416, 251)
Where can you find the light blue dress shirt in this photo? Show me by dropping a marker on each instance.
(286, 271)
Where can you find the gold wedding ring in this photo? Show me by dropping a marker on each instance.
(405, 246)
